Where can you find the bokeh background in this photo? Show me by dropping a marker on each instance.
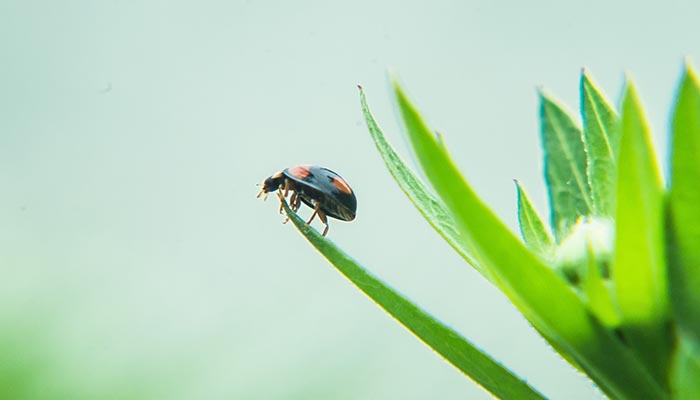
(136, 261)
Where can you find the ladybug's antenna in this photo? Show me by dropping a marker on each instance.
(261, 192)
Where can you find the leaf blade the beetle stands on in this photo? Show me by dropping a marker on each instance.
(601, 132)
(533, 230)
(431, 208)
(458, 351)
(545, 300)
(639, 268)
(683, 236)
(565, 167)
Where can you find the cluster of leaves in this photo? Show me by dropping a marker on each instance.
(614, 288)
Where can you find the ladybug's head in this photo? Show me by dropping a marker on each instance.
(271, 184)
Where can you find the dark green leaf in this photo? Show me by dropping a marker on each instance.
(476, 364)
(685, 371)
(545, 300)
(684, 208)
(564, 167)
(601, 132)
(534, 231)
(639, 269)
(431, 208)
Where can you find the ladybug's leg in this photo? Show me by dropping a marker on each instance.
(286, 186)
(297, 202)
(294, 201)
(322, 217)
(282, 199)
(293, 204)
(316, 211)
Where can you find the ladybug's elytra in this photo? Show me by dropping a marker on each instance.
(317, 187)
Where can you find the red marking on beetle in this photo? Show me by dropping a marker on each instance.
(300, 171)
(342, 185)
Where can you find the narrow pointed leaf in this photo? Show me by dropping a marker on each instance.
(545, 300)
(684, 208)
(639, 269)
(431, 208)
(466, 357)
(601, 132)
(534, 231)
(564, 167)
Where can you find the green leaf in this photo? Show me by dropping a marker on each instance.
(534, 231)
(431, 208)
(601, 132)
(545, 300)
(639, 269)
(685, 371)
(473, 362)
(684, 208)
(564, 167)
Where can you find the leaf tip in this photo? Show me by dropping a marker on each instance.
(540, 90)
(585, 75)
(689, 71)
(630, 91)
(688, 64)
(546, 97)
(393, 77)
(542, 97)
(585, 78)
(518, 189)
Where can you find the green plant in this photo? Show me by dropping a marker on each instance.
(614, 288)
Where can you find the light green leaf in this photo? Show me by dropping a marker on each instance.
(639, 269)
(685, 371)
(466, 357)
(534, 231)
(545, 300)
(601, 132)
(564, 167)
(431, 208)
(684, 208)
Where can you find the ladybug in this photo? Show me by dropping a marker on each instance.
(317, 187)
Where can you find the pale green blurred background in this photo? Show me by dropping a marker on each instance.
(136, 261)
